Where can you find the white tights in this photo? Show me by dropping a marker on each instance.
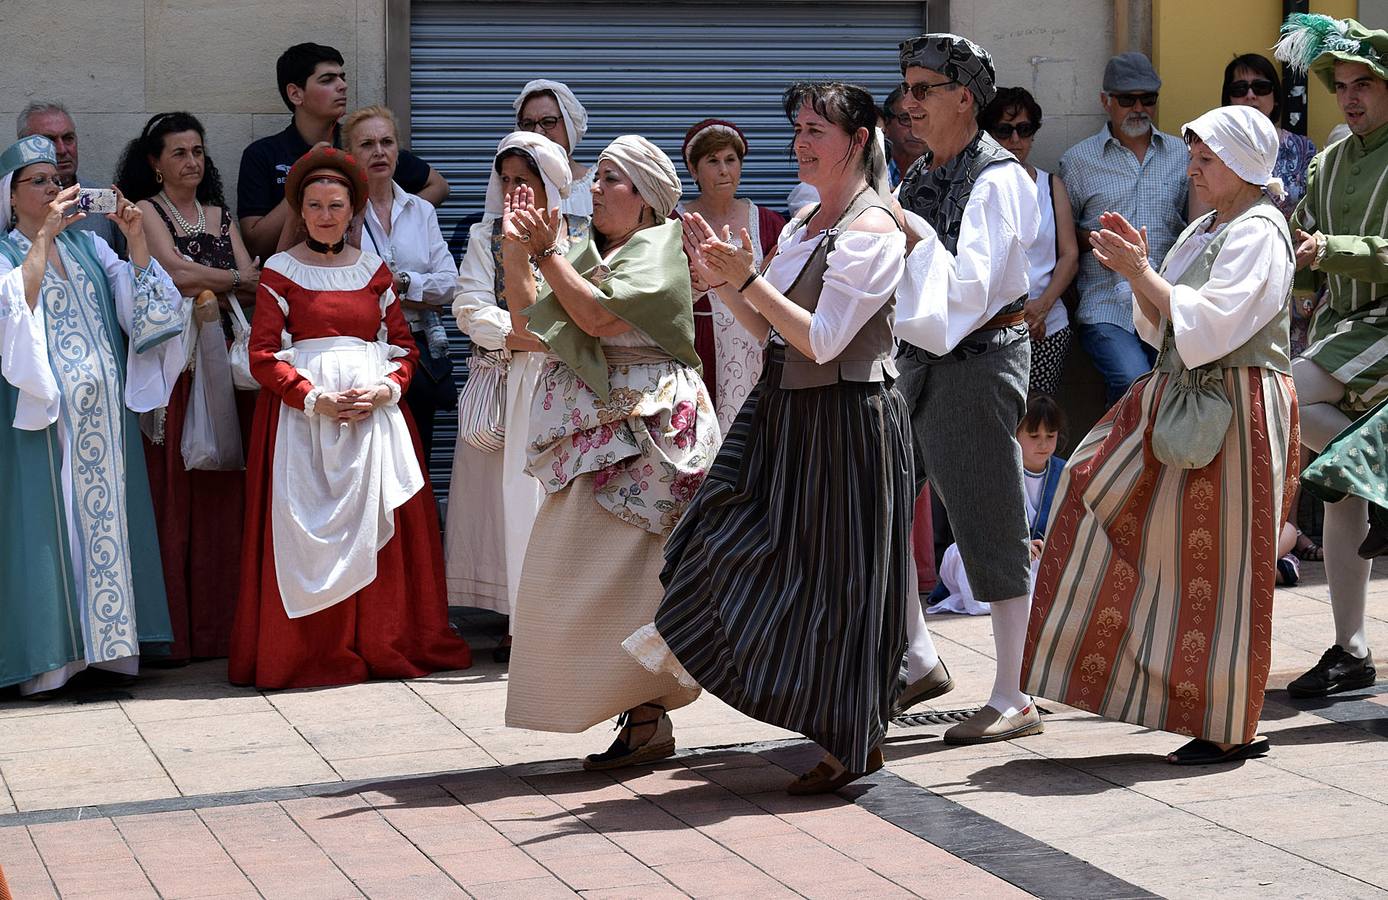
(1009, 642)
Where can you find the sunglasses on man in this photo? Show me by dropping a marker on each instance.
(1127, 101)
(1023, 130)
(921, 89)
(1261, 87)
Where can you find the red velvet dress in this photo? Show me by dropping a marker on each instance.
(396, 626)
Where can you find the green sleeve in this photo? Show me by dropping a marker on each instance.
(1361, 257)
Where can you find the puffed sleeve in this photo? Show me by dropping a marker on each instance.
(1248, 285)
(863, 272)
(24, 354)
(153, 313)
(945, 297)
(267, 330)
(474, 301)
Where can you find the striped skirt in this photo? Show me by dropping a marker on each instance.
(1153, 603)
(786, 581)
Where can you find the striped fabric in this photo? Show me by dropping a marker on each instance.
(1153, 603)
(786, 580)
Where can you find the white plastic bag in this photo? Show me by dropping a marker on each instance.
(211, 430)
(240, 352)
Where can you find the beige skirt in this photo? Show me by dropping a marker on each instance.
(589, 582)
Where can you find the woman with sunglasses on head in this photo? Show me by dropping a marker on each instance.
(1013, 118)
(1251, 80)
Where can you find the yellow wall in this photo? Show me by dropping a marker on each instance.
(1193, 40)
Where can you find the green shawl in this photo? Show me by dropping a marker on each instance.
(645, 284)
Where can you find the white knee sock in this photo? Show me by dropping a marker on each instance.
(1346, 524)
(1009, 640)
(1320, 423)
(921, 656)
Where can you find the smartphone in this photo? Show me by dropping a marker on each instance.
(95, 201)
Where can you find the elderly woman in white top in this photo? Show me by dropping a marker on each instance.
(403, 230)
(550, 109)
(1154, 600)
(493, 499)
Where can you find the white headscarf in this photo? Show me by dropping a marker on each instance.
(1245, 140)
(549, 157)
(649, 169)
(575, 116)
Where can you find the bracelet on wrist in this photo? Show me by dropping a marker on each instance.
(235, 279)
(714, 287)
(748, 283)
(544, 254)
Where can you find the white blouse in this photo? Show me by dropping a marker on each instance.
(944, 298)
(24, 356)
(864, 269)
(474, 299)
(415, 245)
(1247, 287)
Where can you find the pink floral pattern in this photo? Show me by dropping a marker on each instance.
(648, 447)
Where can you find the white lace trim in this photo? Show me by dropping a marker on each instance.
(326, 278)
(311, 400)
(647, 647)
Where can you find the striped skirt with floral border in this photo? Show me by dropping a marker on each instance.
(1153, 603)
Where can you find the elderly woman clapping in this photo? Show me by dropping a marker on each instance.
(1163, 542)
(621, 432)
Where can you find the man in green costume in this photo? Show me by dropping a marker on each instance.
(1342, 238)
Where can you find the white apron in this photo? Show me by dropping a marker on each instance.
(337, 485)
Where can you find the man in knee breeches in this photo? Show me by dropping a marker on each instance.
(1342, 238)
(965, 357)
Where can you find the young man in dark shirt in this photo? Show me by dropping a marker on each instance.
(313, 85)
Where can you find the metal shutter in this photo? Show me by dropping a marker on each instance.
(683, 62)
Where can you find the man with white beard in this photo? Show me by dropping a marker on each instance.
(1131, 168)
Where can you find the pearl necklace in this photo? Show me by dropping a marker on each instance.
(181, 222)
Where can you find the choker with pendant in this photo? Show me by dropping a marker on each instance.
(318, 246)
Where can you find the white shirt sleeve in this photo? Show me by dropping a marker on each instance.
(149, 376)
(24, 354)
(864, 270)
(944, 297)
(435, 286)
(1247, 287)
(474, 301)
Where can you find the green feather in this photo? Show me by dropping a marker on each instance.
(1306, 36)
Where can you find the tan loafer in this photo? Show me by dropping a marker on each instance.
(933, 684)
(988, 725)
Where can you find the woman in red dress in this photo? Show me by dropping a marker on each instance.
(342, 565)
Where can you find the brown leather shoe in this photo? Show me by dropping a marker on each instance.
(823, 780)
(933, 684)
(988, 725)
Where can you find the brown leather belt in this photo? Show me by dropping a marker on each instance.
(1004, 320)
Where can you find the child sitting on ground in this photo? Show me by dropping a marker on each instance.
(1041, 468)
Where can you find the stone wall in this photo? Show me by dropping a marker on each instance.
(114, 63)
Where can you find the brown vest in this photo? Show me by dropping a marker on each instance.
(868, 357)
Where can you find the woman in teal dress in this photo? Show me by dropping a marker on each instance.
(87, 340)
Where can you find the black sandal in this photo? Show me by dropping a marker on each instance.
(659, 745)
(1200, 752)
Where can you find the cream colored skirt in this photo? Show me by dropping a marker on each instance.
(589, 581)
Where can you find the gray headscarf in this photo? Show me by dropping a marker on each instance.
(957, 58)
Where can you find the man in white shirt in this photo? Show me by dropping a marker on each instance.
(965, 356)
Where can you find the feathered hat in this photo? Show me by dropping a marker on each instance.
(1314, 43)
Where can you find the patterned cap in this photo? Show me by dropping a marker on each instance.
(327, 162)
(25, 152)
(958, 59)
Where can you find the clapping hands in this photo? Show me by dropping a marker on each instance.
(716, 262)
(1119, 246)
(534, 228)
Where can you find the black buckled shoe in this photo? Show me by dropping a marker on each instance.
(1337, 671)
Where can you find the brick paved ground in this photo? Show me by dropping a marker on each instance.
(182, 786)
